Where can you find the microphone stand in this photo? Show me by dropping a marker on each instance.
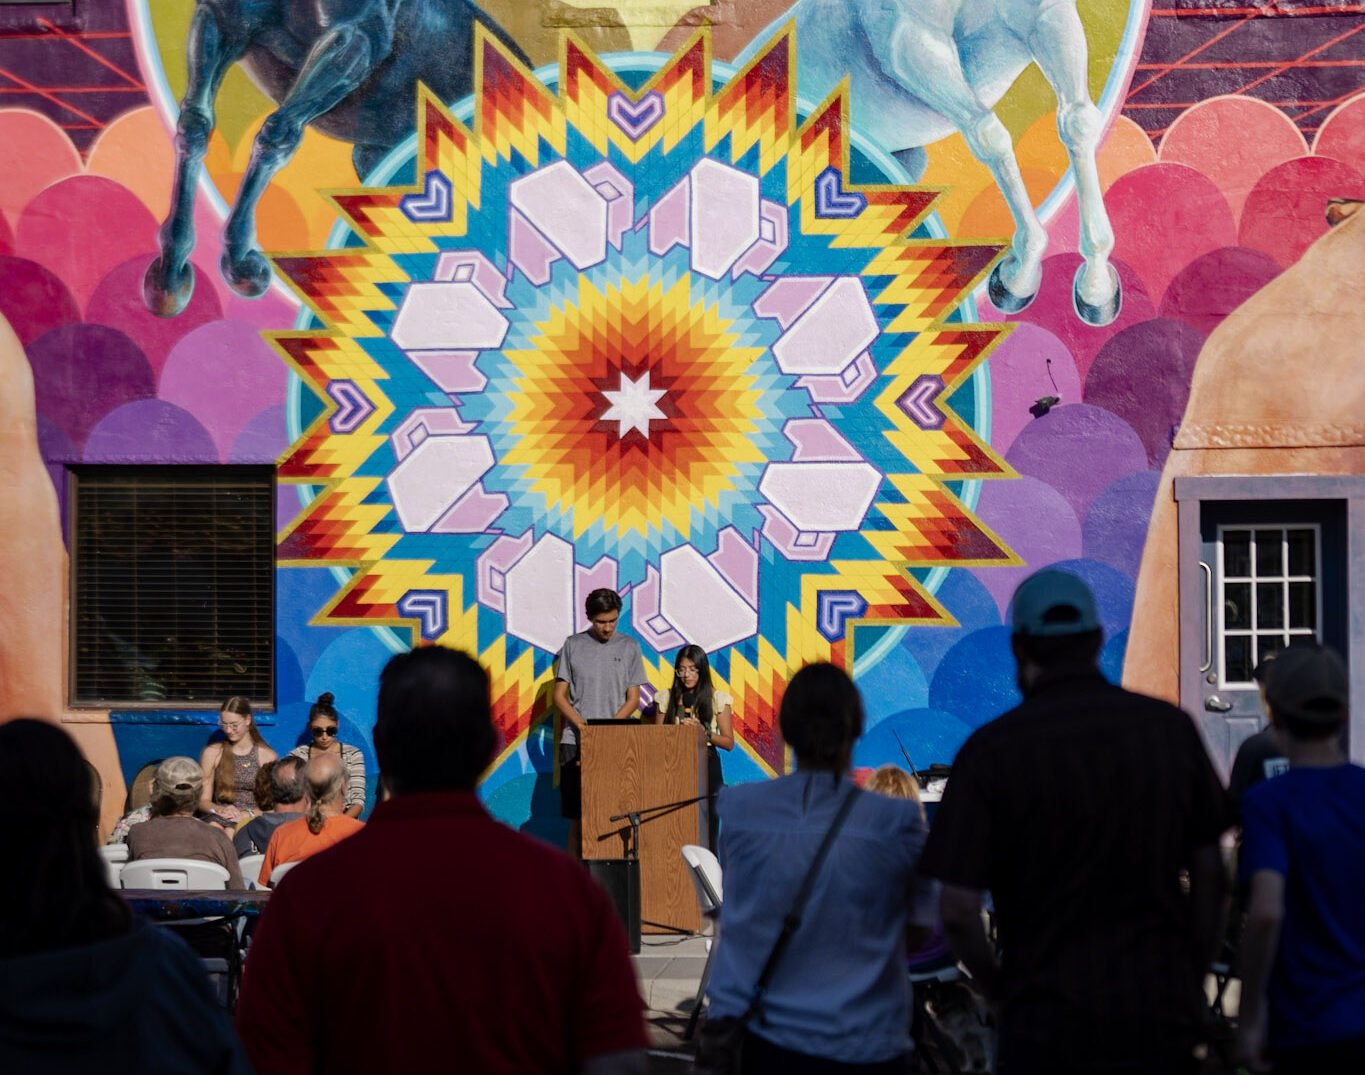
(635, 817)
(644, 815)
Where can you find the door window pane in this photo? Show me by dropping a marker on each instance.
(1269, 554)
(1269, 605)
(1303, 605)
(1268, 646)
(1236, 553)
(1237, 658)
(1303, 552)
(1237, 605)
(1269, 590)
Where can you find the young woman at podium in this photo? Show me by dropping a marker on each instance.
(693, 700)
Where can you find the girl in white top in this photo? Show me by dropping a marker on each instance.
(693, 700)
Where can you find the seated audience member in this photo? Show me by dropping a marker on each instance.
(133, 817)
(173, 831)
(286, 796)
(1303, 855)
(234, 762)
(420, 944)
(839, 997)
(325, 823)
(265, 800)
(323, 725)
(84, 986)
(895, 783)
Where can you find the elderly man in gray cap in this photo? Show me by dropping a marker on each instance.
(173, 831)
(1303, 854)
(1080, 811)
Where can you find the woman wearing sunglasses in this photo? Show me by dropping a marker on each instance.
(323, 727)
(234, 762)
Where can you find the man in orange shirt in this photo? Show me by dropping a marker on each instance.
(325, 823)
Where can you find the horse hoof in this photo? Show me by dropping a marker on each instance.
(248, 275)
(163, 295)
(1002, 298)
(1103, 313)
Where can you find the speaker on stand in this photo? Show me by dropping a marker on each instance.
(621, 879)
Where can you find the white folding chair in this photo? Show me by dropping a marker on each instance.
(114, 855)
(277, 874)
(251, 869)
(190, 875)
(704, 869)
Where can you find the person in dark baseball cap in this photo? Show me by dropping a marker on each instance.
(1303, 856)
(1307, 686)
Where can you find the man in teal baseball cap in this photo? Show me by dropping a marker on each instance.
(1080, 810)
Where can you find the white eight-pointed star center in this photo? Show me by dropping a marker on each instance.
(633, 405)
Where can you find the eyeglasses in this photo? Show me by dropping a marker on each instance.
(231, 725)
(322, 733)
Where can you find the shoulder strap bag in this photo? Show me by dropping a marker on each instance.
(721, 1040)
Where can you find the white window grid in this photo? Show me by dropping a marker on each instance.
(1257, 633)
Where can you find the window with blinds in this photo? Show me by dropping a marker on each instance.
(172, 585)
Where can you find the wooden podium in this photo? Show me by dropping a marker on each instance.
(632, 767)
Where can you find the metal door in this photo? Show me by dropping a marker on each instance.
(1271, 572)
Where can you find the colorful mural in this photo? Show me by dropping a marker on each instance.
(714, 381)
(681, 242)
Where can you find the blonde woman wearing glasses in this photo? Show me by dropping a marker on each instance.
(323, 727)
(234, 761)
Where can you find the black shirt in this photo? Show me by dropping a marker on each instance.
(1078, 810)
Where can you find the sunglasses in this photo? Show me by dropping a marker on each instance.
(321, 733)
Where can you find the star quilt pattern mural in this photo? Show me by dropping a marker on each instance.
(638, 330)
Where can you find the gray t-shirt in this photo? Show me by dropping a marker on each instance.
(598, 675)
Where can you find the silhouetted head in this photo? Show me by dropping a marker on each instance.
(434, 728)
(1055, 624)
(822, 717)
(1307, 691)
(61, 897)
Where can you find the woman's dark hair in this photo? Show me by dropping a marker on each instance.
(434, 727)
(705, 692)
(63, 897)
(265, 798)
(822, 717)
(224, 779)
(323, 707)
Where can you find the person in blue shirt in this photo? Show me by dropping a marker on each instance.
(839, 998)
(1303, 855)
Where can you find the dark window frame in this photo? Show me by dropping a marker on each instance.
(248, 572)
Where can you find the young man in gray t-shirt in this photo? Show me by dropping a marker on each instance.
(597, 676)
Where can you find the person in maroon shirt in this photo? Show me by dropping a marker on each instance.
(437, 933)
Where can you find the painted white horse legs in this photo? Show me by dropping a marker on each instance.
(922, 56)
(918, 69)
(1053, 44)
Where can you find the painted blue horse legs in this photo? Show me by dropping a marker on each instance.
(337, 64)
(212, 49)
